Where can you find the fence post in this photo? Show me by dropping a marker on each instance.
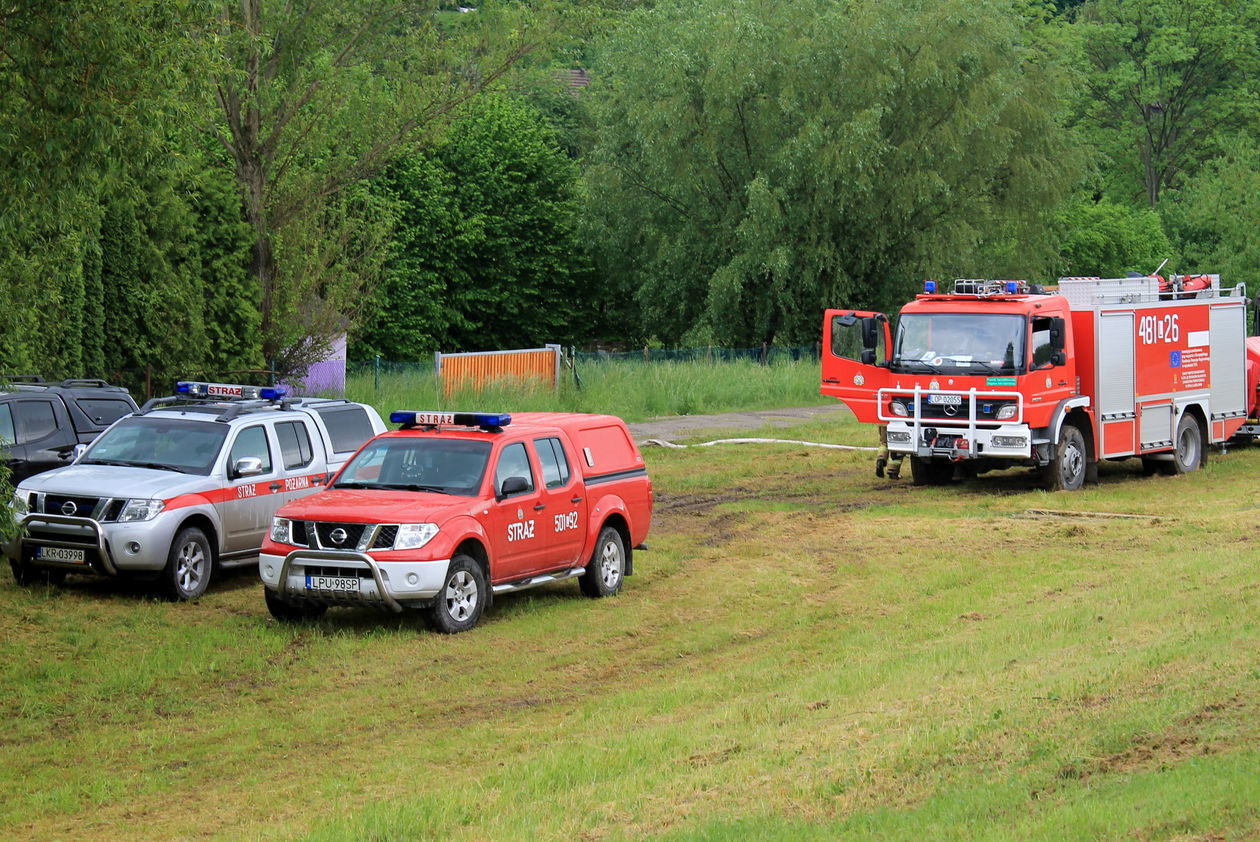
(645, 353)
(763, 353)
(376, 375)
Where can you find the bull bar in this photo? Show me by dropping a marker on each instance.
(102, 546)
(966, 427)
(305, 555)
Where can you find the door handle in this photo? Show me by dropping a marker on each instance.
(540, 507)
(275, 486)
(575, 499)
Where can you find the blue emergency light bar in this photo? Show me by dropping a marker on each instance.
(929, 287)
(485, 420)
(229, 391)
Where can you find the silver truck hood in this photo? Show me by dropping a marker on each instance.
(116, 481)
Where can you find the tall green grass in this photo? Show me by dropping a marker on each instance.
(635, 391)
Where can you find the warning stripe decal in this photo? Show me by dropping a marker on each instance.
(248, 490)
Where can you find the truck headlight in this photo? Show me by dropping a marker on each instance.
(20, 504)
(899, 408)
(281, 530)
(1007, 412)
(137, 510)
(413, 536)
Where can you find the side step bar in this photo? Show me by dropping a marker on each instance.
(535, 581)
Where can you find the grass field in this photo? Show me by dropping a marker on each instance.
(805, 653)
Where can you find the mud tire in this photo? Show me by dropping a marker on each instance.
(607, 568)
(1066, 471)
(458, 605)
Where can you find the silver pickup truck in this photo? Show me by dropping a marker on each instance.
(183, 485)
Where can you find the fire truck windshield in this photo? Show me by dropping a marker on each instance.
(960, 343)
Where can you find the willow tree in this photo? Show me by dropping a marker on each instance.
(761, 159)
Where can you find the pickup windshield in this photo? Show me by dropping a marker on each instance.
(959, 343)
(165, 444)
(443, 466)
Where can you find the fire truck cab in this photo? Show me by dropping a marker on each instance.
(993, 374)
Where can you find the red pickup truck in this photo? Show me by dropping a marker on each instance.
(453, 508)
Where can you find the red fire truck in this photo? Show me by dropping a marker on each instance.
(994, 374)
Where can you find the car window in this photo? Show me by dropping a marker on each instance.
(185, 445)
(295, 444)
(555, 466)
(348, 426)
(513, 462)
(6, 426)
(35, 420)
(252, 441)
(104, 410)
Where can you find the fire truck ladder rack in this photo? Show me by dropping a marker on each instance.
(1096, 292)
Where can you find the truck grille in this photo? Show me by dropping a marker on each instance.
(303, 531)
(60, 504)
(986, 410)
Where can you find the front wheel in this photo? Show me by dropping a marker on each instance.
(458, 605)
(931, 471)
(291, 612)
(1188, 450)
(607, 568)
(188, 566)
(27, 574)
(1066, 471)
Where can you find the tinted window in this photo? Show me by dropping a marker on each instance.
(555, 466)
(1042, 349)
(104, 411)
(348, 426)
(35, 420)
(513, 462)
(295, 444)
(188, 446)
(252, 441)
(6, 426)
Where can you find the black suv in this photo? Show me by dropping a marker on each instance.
(40, 423)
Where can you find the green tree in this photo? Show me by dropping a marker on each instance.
(485, 252)
(760, 160)
(1166, 81)
(1214, 216)
(1108, 239)
(315, 97)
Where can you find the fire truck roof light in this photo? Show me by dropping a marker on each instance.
(485, 420)
(1012, 287)
(929, 287)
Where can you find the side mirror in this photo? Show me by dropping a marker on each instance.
(76, 452)
(513, 485)
(248, 466)
(1058, 358)
(868, 356)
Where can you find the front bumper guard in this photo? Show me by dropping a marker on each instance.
(315, 556)
(969, 430)
(102, 546)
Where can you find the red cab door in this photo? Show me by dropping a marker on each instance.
(856, 349)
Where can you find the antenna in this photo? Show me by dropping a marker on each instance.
(1160, 266)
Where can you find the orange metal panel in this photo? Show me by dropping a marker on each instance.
(483, 368)
(1118, 438)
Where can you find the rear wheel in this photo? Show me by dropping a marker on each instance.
(458, 606)
(188, 566)
(1066, 471)
(1188, 447)
(291, 612)
(607, 568)
(931, 471)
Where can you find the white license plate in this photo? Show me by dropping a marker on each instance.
(61, 554)
(945, 400)
(336, 584)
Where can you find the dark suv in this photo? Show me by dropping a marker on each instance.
(40, 422)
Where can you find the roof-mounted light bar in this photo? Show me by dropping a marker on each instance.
(229, 391)
(484, 420)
